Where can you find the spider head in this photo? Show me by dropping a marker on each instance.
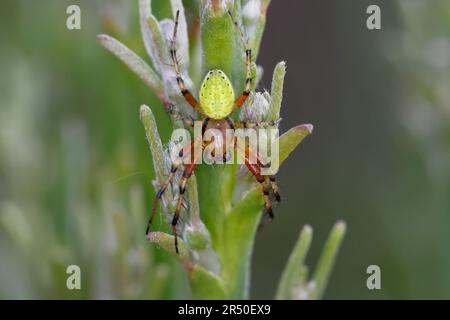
(216, 95)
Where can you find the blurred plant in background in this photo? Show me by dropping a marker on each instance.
(418, 50)
(70, 192)
(423, 58)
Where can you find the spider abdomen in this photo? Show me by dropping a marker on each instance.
(216, 95)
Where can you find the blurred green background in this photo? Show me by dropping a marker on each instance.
(75, 169)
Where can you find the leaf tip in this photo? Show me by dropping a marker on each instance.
(307, 228)
(309, 127)
(166, 242)
(102, 37)
(306, 129)
(340, 227)
(153, 237)
(144, 110)
(282, 64)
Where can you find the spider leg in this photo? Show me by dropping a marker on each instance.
(250, 125)
(173, 54)
(188, 170)
(187, 173)
(270, 179)
(268, 183)
(251, 154)
(188, 121)
(260, 161)
(264, 181)
(248, 61)
(273, 183)
(185, 152)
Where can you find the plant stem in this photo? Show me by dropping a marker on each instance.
(328, 257)
(291, 274)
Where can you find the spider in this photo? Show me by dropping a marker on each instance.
(215, 105)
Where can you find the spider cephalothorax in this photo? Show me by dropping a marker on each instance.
(216, 102)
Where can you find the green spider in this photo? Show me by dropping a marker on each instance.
(216, 103)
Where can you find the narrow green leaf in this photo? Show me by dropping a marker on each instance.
(158, 42)
(182, 33)
(239, 233)
(166, 242)
(276, 91)
(205, 284)
(242, 222)
(291, 276)
(292, 138)
(328, 257)
(145, 12)
(217, 183)
(218, 35)
(154, 141)
(196, 235)
(134, 62)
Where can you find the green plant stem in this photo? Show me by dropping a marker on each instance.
(328, 257)
(295, 266)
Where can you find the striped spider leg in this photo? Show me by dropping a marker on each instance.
(268, 182)
(248, 61)
(189, 168)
